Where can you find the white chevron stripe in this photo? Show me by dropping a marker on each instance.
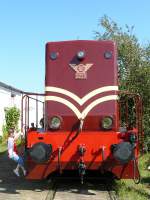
(81, 115)
(66, 102)
(96, 102)
(79, 100)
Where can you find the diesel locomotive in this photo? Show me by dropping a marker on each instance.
(87, 122)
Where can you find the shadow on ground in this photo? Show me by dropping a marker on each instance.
(11, 184)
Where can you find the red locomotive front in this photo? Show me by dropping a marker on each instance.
(81, 124)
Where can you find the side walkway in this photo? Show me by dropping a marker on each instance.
(18, 188)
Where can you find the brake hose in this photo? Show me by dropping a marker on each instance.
(135, 167)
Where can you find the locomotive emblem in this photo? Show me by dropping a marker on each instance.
(81, 70)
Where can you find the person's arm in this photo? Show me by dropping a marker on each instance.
(17, 135)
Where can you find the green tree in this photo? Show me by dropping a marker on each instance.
(133, 62)
(12, 116)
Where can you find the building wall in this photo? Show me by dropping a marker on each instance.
(8, 100)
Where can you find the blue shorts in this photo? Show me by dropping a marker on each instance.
(17, 159)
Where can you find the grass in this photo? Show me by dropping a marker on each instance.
(128, 190)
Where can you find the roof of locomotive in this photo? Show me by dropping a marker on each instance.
(89, 41)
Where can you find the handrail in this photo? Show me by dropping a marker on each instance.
(138, 112)
(26, 99)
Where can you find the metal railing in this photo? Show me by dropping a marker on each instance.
(137, 112)
(25, 109)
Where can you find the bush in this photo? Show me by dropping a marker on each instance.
(5, 134)
(12, 116)
(133, 65)
(1, 139)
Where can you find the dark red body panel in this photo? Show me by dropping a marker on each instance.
(59, 74)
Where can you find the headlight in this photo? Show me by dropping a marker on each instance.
(55, 123)
(108, 54)
(81, 55)
(53, 55)
(107, 123)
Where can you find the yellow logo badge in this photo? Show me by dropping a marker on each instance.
(81, 70)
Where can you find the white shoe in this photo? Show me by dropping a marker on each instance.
(16, 172)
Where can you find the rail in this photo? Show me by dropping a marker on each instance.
(25, 109)
(91, 189)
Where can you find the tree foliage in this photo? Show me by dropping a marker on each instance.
(12, 116)
(133, 62)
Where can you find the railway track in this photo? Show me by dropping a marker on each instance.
(91, 190)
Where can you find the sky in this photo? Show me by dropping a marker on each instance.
(26, 26)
